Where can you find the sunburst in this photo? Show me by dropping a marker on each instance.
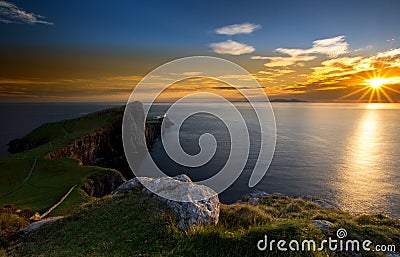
(376, 88)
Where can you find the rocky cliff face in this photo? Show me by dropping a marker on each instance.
(104, 147)
(103, 184)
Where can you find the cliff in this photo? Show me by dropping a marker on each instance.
(99, 185)
(104, 147)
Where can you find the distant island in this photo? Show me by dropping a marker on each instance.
(287, 101)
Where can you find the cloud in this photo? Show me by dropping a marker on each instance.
(353, 71)
(124, 78)
(277, 61)
(10, 13)
(187, 73)
(276, 72)
(331, 47)
(244, 28)
(231, 47)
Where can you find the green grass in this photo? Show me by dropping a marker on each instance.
(95, 230)
(14, 168)
(77, 198)
(139, 225)
(62, 132)
(50, 179)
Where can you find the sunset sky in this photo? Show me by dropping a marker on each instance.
(98, 50)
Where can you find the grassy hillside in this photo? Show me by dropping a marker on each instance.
(138, 225)
(62, 132)
(30, 180)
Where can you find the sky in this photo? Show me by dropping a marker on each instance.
(97, 50)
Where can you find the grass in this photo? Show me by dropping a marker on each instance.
(139, 225)
(50, 179)
(62, 132)
(35, 188)
(14, 168)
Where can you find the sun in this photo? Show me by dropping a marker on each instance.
(376, 89)
(378, 82)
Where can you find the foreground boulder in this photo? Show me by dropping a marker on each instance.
(189, 211)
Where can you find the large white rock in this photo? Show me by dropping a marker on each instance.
(189, 211)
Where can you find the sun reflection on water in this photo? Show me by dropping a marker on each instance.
(362, 185)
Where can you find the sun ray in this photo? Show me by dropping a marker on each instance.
(376, 86)
(387, 96)
(365, 94)
(371, 97)
(378, 94)
(389, 88)
(353, 93)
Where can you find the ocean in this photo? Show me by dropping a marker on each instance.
(347, 154)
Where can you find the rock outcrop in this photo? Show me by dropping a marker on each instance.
(324, 225)
(104, 147)
(35, 225)
(189, 212)
(255, 196)
(102, 184)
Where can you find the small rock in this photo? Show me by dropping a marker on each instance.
(325, 204)
(131, 185)
(35, 225)
(255, 194)
(279, 194)
(324, 225)
(35, 217)
(253, 201)
(183, 178)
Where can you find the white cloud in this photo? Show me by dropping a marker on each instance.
(10, 13)
(244, 28)
(231, 47)
(331, 47)
(389, 53)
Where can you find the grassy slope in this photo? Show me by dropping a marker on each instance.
(50, 179)
(138, 225)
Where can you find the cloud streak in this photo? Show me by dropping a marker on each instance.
(231, 47)
(244, 28)
(10, 13)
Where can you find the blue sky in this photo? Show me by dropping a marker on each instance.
(52, 29)
(190, 24)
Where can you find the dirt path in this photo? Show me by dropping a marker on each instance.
(58, 203)
(24, 181)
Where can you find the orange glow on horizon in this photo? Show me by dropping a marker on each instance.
(376, 89)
